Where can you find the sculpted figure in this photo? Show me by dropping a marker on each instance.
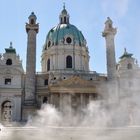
(108, 23)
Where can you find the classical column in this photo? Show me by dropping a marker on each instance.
(30, 81)
(109, 34)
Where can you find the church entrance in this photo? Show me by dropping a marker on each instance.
(7, 111)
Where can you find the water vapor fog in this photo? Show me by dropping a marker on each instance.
(100, 120)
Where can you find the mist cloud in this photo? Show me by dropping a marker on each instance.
(100, 120)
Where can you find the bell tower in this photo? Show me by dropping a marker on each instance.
(109, 34)
(32, 29)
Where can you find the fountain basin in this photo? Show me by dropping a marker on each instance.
(70, 133)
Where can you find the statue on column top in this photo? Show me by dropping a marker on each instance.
(109, 29)
(108, 23)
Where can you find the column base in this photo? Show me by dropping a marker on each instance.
(28, 111)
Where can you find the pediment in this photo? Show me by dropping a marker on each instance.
(11, 71)
(75, 81)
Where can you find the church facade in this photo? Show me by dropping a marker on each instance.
(65, 80)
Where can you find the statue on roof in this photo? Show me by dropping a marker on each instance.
(11, 46)
(126, 54)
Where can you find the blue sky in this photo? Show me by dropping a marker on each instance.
(88, 15)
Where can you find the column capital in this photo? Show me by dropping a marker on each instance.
(34, 27)
(109, 29)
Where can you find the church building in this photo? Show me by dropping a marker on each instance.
(65, 80)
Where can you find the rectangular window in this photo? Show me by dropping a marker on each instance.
(7, 81)
(46, 82)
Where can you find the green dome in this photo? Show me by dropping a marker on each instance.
(64, 34)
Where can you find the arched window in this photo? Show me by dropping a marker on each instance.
(49, 44)
(65, 20)
(48, 65)
(7, 111)
(68, 61)
(9, 62)
(61, 20)
(129, 66)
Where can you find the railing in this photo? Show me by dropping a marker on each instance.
(71, 71)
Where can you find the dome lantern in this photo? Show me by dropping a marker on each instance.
(64, 33)
(64, 16)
